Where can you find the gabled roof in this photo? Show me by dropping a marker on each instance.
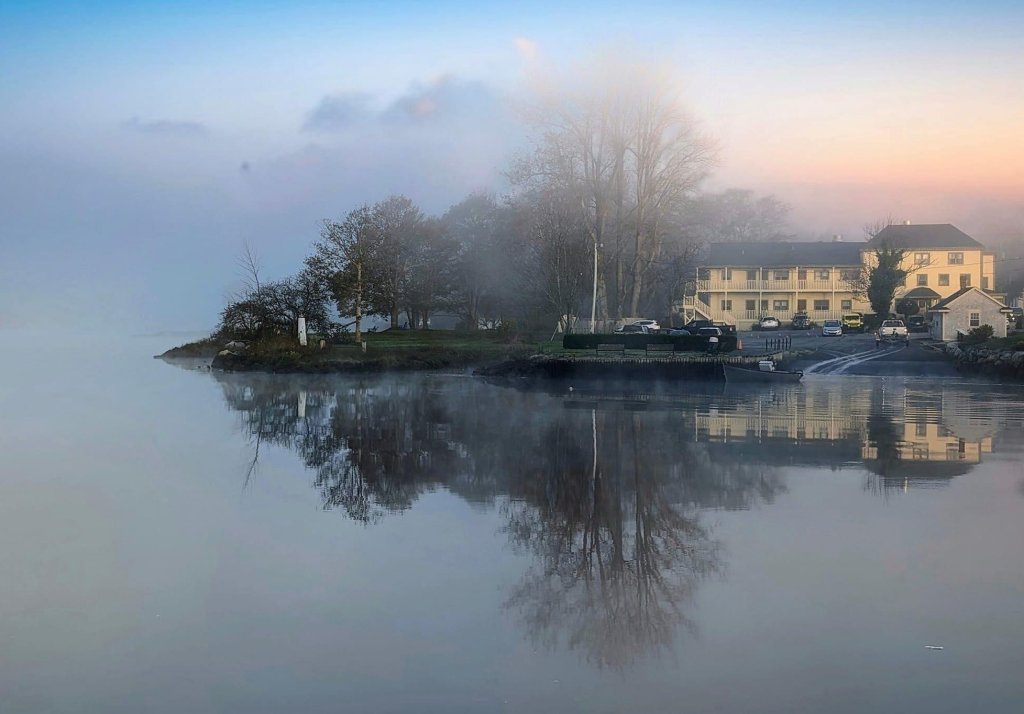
(921, 294)
(784, 255)
(927, 235)
(943, 305)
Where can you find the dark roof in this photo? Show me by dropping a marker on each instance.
(921, 293)
(786, 254)
(944, 304)
(928, 235)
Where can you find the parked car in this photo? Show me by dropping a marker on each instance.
(694, 325)
(651, 325)
(679, 332)
(801, 321)
(710, 332)
(892, 328)
(832, 328)
(768, 323)
(853, 322)
(634, 329)
(917, 323)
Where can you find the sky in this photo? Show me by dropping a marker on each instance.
(142, 143)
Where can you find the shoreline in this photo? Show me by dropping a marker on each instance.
(489, 358)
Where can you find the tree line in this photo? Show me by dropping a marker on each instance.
(615, 170)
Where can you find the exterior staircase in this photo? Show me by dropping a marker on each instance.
(694, 308)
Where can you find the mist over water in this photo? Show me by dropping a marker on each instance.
(180, 540)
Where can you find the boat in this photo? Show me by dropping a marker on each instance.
(765, 372)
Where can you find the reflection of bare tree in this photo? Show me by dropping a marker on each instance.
(616, 556)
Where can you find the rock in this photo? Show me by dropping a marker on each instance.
(225, 353)
(235, 345)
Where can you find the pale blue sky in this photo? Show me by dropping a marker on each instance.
(126, 126)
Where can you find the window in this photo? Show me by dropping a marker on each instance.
(944, 279)
(801, 275)
(921, 428)
(780, 305)
(821, 275)
(847, 305)
(751, 305)
(780, 275)
(821, 305)
(975, 319)
(801, 306)
(727, 305)
(849, 275)
(764, 305)
(984, 283)
(726, 274)
(956, 258)
(922, 258)
(922, 279)
(965, 280)
(751, 275)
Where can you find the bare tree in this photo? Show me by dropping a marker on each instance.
(629, 153)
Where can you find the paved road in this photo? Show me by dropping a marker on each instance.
(856, 354)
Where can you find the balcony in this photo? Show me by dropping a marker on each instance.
(710, 285)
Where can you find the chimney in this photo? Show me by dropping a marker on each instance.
(837, 238)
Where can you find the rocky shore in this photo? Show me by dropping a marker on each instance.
(1004, 363)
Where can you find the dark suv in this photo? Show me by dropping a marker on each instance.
(694, 325)
(917, 323)
(801, 321)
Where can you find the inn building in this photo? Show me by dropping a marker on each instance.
(741, 282)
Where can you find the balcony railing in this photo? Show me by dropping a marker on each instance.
(738, 285)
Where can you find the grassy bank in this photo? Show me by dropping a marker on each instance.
(389, 350)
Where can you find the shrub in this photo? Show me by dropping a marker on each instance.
(979, 334)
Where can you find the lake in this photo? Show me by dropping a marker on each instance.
(176, 540)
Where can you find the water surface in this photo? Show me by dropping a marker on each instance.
(180, 540)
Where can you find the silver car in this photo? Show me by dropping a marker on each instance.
(832, 328)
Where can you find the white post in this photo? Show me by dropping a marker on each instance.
(302, 331)
(302, 404)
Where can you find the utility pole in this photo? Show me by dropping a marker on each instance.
(593, 300)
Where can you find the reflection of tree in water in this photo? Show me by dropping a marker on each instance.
(613, 529)
(616, 555)
(375, 448)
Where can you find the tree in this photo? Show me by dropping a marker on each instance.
(559, 256)
(907, 307)
(881, 278)
(343, 260)
(398, 224)
(626, 152)
(478, 225)
(736, 215)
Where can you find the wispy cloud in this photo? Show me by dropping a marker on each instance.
(449, 99)
(166, 127)
(337, 112)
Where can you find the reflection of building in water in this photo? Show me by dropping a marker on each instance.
(809, 425)
(932, 435)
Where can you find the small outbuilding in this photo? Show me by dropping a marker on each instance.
(964, 310)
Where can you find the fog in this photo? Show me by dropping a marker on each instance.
(136, 156)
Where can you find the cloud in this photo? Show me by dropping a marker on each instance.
(337, 112)
(166, 127)
(449, 99)
(527, 48)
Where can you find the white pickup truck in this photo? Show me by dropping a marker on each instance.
(893, 329)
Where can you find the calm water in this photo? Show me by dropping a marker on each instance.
(180, 541)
